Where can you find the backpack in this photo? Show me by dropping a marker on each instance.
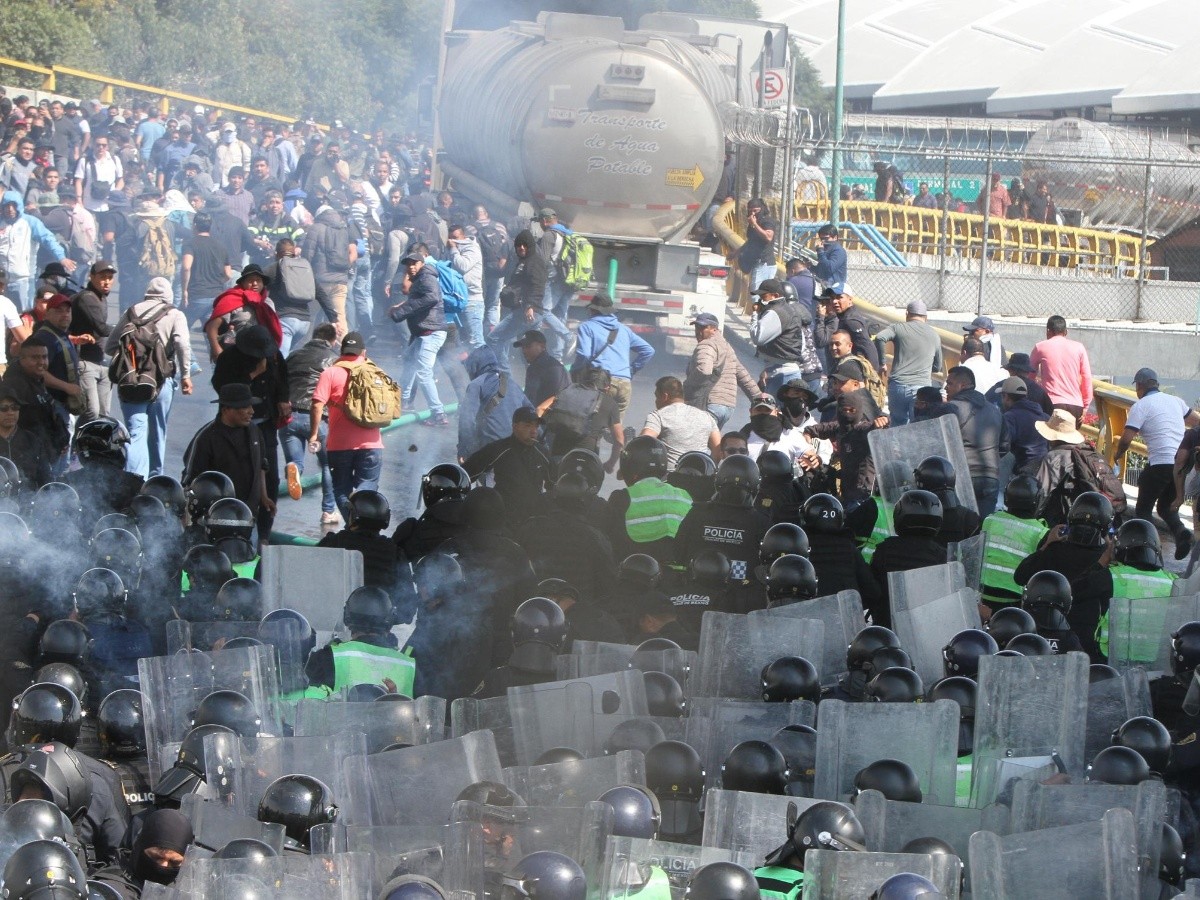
(1093, 473)
(142, 362)
(572, 412)
(372, 398)
(493, 246)
(336, 244)
(454, 290)
(158, 252)
(575, 261)
(297, 278)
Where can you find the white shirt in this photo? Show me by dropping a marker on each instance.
(107, 169)
(792, 442)
(8, 313)
(987, 374)
(1159, 419)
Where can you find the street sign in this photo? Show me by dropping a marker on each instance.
(773, 87)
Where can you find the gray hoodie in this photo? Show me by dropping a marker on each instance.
(466, 257)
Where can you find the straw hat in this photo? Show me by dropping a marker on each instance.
(1060, 427)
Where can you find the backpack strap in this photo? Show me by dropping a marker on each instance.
(612, 339)
(495, 399)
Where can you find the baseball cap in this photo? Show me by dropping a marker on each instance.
(764, 401)
(917, 308)
(851, 369)
(1145, 376)
(769, 286)
(58, 300)
(228, 128)
(102, 266)
(1014, 387)
(411, 257)
(546, 212)
(980, 322)
(353, 343)
(533, 336)
(525, 414)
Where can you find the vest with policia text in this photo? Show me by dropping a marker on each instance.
(1135, 584)
(1007, 541)
(779, 882)
(135, 783)
(656, 510)
(356, 662)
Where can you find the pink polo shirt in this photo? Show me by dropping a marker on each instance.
(1063, 370)
(343, 434)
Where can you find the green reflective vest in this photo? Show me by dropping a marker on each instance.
(655, 510)
(962, 780)
(1007, 541)
(658, 887)
(242, 570)
(779, 882)
(355, 662)
(880, 531)
(1135, 584)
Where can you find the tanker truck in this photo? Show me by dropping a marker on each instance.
(619, 131)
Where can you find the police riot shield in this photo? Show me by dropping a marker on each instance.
(637, 868)
(1097, 860)
(899, 450)
(173, 686)
(484, 842)
(744, 822)
(1113, 702)
(548, 715)
(394, 850)
(215, 825)
(1139, 629)
(718, 724)
(416, 786)
(314, 581)
(834, 875)
(420, 721)
(575, 782)
(734, 649)
(679, 664)
(925, 620)
(291, 648)
(799, 751)
(240, 775)
(468, 714)
(207, 876)
(842, 614)
(340, 876)
(154, 891)
(1028, 706)
(854, 735)
(969, 554)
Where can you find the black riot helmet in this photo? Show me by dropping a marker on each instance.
(169, 491)
(775, 465)
(120, 724)
(102, 440)
(146, 511)
(44, 870)
(228, 518)
(119, 550)
(65, 640)
(722, 881)
(823, 514)
(246, 848)
(368, 610)
(780, 539)
(885, 658)
(651, 646)
(1023, 496)
(556, 755)
(207, 568)
(1029, 645)
(790, 678)
(55, 771)
(539, 620)
(445, 481)
(1088, 519)
(634, 734)
(894, 779)
(674, 772)
(239, 600)
(1047, 597)
(190, 768)
(1185, 650)
(298, 803)
(929, 845)
(635, 811)
(798, 744)
(55, 502)
(10, 477)
(961, 656)
(710, 568)
(896, 685)
(959, 688)
(99, 593)
(639, 570)
(412, 887)
(1118, 765)
(664, 696)
(736, 481)
(586, 463)
(544, 875)
(369, 511)
(866, 642)
(42, 713)
(1170, 855)
(755, 766)
(907, 886)
(696, 463)
(490, 793)
(1098, 672)
(279, 621)
(1138, 546)
(935, 474)
(206, 489)
(918, 513)
(65, 674)
(30, 820)
(123, 521)
(231, 709)
(823, 826)
(643, 457)
(790, 579)
(365, 693)
(1009, 621)
(1147, 736)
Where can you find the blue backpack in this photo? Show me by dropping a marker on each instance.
(454, 289)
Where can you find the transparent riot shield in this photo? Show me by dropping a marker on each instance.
(416, 786)
(718, 724)
(899, 450)
(154, 891)
(215, 825)
(339, 876)
(395, 850)
(1036, 806)
(314, 581)
(634, 865)
(743, 822)
(468, 714)
(484, 842)
(603, 648)
(834, 875)
(842, 614)
(291, 649)
(173, 686)
(735, 648)
(209, 876)
(1113, 702)
(420, 721)
(799, 751)
(576, 782)
(1028, 706)
(545, 716)
(969, 554)
(240, 775)
(1139, 629)
(679, 664)
(926, 623)
(854, 735)
(1097, 860)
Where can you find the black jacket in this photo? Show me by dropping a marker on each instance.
(526, 277)
(89, 315)
(860, 328)
(304, 368)
(840, 567)
(238, 452)
(900, 554)
(422, 308)
(985, 437)
(417, 536)
(545, 377)
(522, 473)
(380, 555)
(562, 543)
(269, 389)
(736, 532)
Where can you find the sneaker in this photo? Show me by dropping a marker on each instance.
(295, 490)
(1183, 544)
(437, 421)
(331, 518)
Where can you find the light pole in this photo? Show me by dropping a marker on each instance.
(835, 189)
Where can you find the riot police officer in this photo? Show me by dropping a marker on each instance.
(1137, 573)
(202, 492)
(118, 641)
(936, 474)
(299, 803)
(833, 552)
(823, 826)
(675, 775)
(645, 515)
(123, 746)
(370, 656)
(443, 489)
(918, 520)
(101, 481)
(852, 687)
(369, 514)
(229, 526)
(1011, 535)
(539, 631)
(1047, 597)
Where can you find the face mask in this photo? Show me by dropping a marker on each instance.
(795, 407)
(229, 137)
(768, 427)
(847, 418)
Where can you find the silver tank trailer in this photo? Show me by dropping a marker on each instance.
(618, 131)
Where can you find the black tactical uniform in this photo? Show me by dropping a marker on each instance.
(735, 531)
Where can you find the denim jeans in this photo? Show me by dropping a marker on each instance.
(720, 413)
(199, 309)
(514, 324)
(147, 424)
(473, 323)
(93, 381)
(294, 332)
(360, 309)
(418, 370)
(491, 301)
(558, 298)
(353, 470)
(901, 398)
(761, 274)
(20, 291)
(987, 490)
(294, 438)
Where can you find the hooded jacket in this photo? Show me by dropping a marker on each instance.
(18, 238)
(985, 438)
(1028, 446)
(422, 307)
(480, 421)
(330, 262)
(594, 348)
(526, 275)
(467, 259)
